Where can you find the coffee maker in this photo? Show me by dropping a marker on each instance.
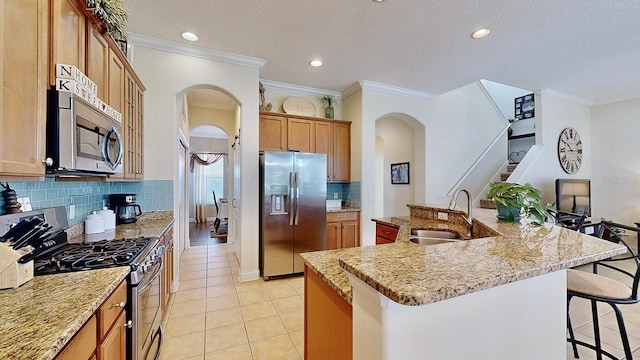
(125, 208)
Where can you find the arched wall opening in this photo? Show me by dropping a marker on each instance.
(400, 146)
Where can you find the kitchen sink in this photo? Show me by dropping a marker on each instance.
(439, 234)
(430, 240)
(432, 237)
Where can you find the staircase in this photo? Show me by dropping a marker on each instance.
(490, 204)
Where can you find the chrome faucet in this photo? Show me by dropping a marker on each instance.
(454, 200)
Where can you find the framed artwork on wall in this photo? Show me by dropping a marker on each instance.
(525, 107)
(400, 173)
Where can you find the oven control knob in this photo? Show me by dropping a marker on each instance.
(147, 267)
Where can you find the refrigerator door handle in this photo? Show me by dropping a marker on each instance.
(297, 199)
(291, 199)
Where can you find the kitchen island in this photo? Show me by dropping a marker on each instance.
(501, 295)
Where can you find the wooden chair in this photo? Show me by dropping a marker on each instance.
(216, 222)
(597, 288)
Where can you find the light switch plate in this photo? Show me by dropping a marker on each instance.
(443, 216)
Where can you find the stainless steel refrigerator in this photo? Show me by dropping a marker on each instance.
(293, 192)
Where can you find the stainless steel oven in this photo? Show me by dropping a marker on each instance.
(146, 312)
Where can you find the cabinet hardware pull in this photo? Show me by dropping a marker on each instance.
(48, 161)
(128, 324)
(120, 304)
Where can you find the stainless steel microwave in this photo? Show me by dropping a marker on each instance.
(81, 140)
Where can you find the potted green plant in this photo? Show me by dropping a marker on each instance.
(328, 100)
(113, 14)
(514, 200)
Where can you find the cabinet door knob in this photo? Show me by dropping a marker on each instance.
(120, 304)
(128, 324)
(48, 161)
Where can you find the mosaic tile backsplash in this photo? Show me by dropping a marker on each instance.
(93, 195)
(345, 191)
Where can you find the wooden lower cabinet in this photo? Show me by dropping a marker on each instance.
(114, 345)
(166, 239)
(343, 230)
(328, 321)
(385, 234)
(104, 335)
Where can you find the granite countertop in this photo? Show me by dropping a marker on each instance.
(150, 224)
(41, 316)
(412, 274)
(343, 209)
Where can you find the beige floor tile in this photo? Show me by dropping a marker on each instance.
(281, 291)
(294, 320)
(193, 284)
(240, 352)
(252, 296)
(200, 274)
(218, 272)
(198, 357)
(187, 308)
(249, 285)
(258, 310)
(198, 260)
(288, 304)
(224, 317)
(188, 267)
(274, 348)
(183, 347)
(218, 265)
(298, 340)
(610, 340)
(225, 337)
(219, 280)
(263, 328)
(190, 295)
(222, 302)
(185, 325)
(221, 290)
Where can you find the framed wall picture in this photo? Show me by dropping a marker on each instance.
(524, 107)
(400, 173)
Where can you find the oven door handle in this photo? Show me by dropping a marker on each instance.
(153, 277)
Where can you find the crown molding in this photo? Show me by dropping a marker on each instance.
(196, 51)
(370, 85)
(558, 95)
(354, 88)
(299, 89)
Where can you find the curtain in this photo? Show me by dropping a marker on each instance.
(197, 166)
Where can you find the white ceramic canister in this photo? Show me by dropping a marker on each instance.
(109, 218)
(94, 224)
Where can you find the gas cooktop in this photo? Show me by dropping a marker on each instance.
(95, 255)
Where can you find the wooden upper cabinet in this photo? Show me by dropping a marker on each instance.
(301, 135)
(273, 133)
(324, 144)
(341, 152)
(23, 60)
(98, 60)
(68, 36)
(116, 87)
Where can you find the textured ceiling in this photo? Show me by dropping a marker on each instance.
(587, 49)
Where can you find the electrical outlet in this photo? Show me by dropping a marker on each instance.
(443, 216)
(335, 195)
(72, 212)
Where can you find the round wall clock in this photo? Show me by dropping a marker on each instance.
(570, 150)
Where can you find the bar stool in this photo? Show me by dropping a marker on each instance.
(597, 288)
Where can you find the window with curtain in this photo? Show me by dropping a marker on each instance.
(215, 180)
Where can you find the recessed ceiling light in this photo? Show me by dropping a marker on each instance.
(189, 36)
(378, 0)
(480, 33)
(315, 63)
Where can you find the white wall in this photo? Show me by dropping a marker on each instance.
(398, 147)
(167, 76)
(615, 184)
(552, 116)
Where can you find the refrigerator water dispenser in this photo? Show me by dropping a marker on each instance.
(279, 199)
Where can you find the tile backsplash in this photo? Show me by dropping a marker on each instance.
(346, 191)
(92, 195)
